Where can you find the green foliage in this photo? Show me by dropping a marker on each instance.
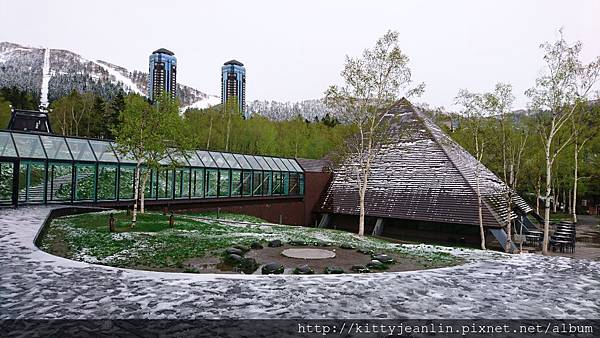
(259, 135)
(20, 99)
(83, 115)
(5, 113)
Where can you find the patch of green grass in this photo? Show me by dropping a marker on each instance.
(152, 243)
(227, 216)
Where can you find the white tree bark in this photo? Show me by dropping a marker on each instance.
(136, 190)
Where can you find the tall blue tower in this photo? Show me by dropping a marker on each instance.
(162, 73)
(233, 84)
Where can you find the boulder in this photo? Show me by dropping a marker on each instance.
(275, 243)
(376, 265)
(333, 270)
(272, 268)
(256, 245)
(234, 251)
(347, 246)
(233, 259)
(243, 248)
(303, 270)
(365, 251)
(360, 269)
(383, 258)
(248, 265)
(298, 243)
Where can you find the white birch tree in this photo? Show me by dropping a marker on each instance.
(373, 82)
(555, 97)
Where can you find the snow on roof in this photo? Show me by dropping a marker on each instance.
(422, 174)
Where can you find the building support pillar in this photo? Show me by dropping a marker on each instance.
(378, 229)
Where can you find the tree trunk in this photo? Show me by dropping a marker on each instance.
(538, 195)
(481, 229)
(209, 132)
(136, 191)
(361, 216)
(228, 131)
(143, 191)
(547, 200)
(575, 179)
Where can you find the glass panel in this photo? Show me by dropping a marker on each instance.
(151, 185)
(271, 163)
(80, 149)
(294, 188)
(104, 151)
(296, 166)
(288, 164)
(61, 175)
(123, 158)
(56, 148)
(182, 183)
(280, 164)
(253, 163)
(301, 184)
(161, 185)
(85, 182)
(285, 181)
(170, 182)
(211, 182)
(6, 181)
(242, 161)
(107, 182)
(126, 175)
(193, 159)
(166, 161)
(29, 146)
(247, 183)
(277, 184)
(262, 162)
(206, 159)
(219, 159)
(32, 181)
(267, 183)
(148, 187)
(224, 183)
(236, 183)
(257, 183)
(231, 161)
(198, 181)
(7, 148)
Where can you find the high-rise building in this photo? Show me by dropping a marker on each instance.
(162, 73)
(233, 84)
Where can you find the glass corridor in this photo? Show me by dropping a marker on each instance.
(42, 168)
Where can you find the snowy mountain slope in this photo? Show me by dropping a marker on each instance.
(52, 73)
(274, 110)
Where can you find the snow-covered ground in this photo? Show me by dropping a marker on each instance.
(35, 284)
(208, 101)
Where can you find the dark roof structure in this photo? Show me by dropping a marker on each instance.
(233, 62)
(421, 174)
(314, 166)
(29, 120)
(163, 51)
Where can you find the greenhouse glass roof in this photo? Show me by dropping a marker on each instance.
(33, 146)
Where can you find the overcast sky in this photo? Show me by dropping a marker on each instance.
(293, 50)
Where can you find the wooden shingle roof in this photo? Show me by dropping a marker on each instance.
(421, 174)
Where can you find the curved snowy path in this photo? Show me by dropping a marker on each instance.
(34, 284)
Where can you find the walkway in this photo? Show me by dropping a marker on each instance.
(34, 284)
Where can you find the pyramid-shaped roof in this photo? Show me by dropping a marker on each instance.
(420, 173)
